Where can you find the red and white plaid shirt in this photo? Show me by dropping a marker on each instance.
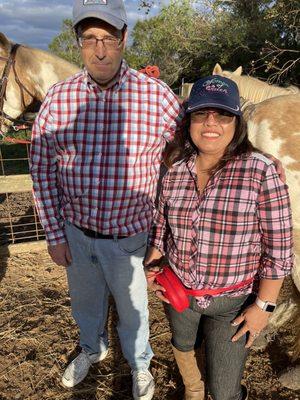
(96, 154)
(238, 227)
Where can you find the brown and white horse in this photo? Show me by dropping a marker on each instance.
(27, 74)
(274, 127)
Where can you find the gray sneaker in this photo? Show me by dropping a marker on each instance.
(142, 385)
(78, 369)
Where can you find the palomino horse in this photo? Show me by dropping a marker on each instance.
(254, 89)
(27, 74)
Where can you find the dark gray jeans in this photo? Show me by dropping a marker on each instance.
(225, 360)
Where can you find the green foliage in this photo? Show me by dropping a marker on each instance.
(171, 41)
(188, 37)
(65, 46)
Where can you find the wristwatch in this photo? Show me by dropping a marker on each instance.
(265, 305)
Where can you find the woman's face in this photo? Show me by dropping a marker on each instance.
(211, 130)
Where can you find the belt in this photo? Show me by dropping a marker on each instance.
(213, 292)
(98, 235)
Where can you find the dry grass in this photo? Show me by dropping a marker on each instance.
(38, 337)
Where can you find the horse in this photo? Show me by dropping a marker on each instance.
(27, 74)
(254, 89)
(274, 127)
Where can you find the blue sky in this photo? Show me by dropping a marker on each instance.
(36, 22)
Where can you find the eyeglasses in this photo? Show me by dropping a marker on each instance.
(109, 42)
(221, 117)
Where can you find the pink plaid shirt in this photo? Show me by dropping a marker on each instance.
(238, 227)
(96, 154)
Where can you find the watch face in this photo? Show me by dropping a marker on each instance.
(270, 308)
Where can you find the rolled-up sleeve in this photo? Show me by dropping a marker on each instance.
(275, 218)
(43, 169)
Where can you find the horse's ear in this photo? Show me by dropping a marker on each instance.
(217, 70)
(238, 71)
(4, 45)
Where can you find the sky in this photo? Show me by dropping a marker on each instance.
(36, 22)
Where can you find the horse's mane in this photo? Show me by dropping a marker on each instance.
(256, 90)
(47, 56)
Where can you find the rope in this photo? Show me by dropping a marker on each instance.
(8, 139)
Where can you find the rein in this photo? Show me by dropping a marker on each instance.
(11, 64)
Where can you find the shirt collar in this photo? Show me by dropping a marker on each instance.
(191, 166)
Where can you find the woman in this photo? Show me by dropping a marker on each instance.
(223, 222)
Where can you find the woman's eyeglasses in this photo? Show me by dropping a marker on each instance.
(221, 117)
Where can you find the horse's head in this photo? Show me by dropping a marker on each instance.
(5, 45)
(218, 70)
(15, 95)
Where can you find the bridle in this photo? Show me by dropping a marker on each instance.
(11, 63)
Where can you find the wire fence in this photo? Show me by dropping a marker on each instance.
(19, 221)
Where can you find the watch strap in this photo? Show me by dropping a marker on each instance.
(265, 305)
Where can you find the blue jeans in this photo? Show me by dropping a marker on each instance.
(100, 267)
(225, 360)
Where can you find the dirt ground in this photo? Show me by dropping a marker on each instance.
(38, 337)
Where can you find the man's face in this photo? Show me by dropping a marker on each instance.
(101, 60)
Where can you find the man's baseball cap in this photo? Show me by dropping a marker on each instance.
(111, 11)
(217, 92)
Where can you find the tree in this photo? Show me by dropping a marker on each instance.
(174, 40)
(280, 56)
(260, 35)
(270, 48)
(64, 45)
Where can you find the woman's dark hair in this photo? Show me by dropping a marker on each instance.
(182, 147)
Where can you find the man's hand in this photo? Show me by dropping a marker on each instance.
(159, 290)
(60, 254)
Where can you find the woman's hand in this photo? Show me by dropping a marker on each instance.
(254, 321)
(151, 273)
(153, 257)
(279, 168)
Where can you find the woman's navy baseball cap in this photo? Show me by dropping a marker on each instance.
(217, 92)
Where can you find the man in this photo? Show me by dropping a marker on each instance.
(95, 158)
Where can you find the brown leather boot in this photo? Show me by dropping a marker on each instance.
(191, 376)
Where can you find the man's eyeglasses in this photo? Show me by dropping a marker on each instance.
(109, 42)
(220, 116)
